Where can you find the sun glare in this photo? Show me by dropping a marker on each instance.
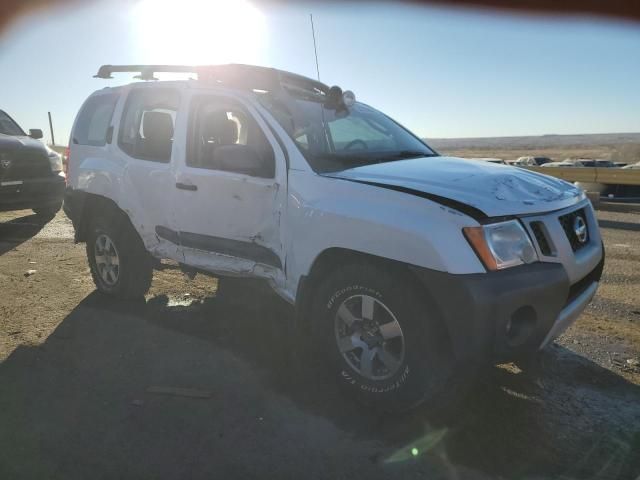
(198, 31)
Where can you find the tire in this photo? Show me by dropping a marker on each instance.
(49, 211)
(420, 363)
(131, 270)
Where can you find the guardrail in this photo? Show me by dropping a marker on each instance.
(608, 176)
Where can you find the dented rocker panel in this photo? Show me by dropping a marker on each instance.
(224, 246)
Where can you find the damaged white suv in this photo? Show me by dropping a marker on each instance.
(403, 263)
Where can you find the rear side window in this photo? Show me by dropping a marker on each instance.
(94, 120)
(147, 125)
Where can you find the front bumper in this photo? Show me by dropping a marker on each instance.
(31, 193)
(504, 315)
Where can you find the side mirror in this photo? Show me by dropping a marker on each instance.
(35, 133)
(240, 159)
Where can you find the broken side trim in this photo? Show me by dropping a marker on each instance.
(233, 248)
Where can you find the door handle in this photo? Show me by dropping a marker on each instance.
(186, 186)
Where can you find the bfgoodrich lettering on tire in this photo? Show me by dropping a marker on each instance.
(381, 337)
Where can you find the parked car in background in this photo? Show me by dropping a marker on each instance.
(499, 161)
(581, 162)
(531, 161)
(584, 162)
(564, 163)
(30, 173)
(604, 164)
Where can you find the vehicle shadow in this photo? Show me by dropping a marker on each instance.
(79, 404)
(18, 230)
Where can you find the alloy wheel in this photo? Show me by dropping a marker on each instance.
(107, 260)
(369, 337)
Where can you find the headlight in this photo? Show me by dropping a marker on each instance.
(55, 160)
(501, 245)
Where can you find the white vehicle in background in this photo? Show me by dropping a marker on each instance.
(580, 162)
(407, 268)
(564, 163)
(633, 166)
(531, 161)
(498, 161)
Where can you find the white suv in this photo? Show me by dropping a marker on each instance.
(403, 264)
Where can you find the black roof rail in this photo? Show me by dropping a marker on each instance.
(233, 75)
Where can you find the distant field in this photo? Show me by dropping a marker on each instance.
(556, 154)
(610, 146)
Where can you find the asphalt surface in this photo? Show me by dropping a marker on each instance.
(187, 385)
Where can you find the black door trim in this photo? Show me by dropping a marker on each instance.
(225, 246)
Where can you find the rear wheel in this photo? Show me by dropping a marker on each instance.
(119, 263)
(382, 338)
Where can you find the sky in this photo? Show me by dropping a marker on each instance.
(439, 72)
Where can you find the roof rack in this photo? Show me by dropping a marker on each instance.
(233, 75)
(146, 72)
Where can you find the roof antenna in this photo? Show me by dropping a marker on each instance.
(315, 49)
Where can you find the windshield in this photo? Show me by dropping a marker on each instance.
(8, 126)
(333, 140)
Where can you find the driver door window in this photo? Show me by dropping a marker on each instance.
(222, 132)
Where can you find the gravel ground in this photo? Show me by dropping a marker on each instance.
(186, 385)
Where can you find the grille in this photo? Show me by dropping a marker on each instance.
(26, 165)
(541, 238)
(567, 225)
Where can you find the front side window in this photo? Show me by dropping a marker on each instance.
(94, 120)
(8, 126)
(224, 136)
(147, 125)
(337, 139)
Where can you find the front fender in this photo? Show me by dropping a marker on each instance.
(329, 213)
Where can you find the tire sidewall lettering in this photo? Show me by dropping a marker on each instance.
(349, 377)
(351, 289)
(368, 388)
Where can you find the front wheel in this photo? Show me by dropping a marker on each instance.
(119, 263)
(382, 338)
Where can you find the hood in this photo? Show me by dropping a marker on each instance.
(10, 143)
(493, 189)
